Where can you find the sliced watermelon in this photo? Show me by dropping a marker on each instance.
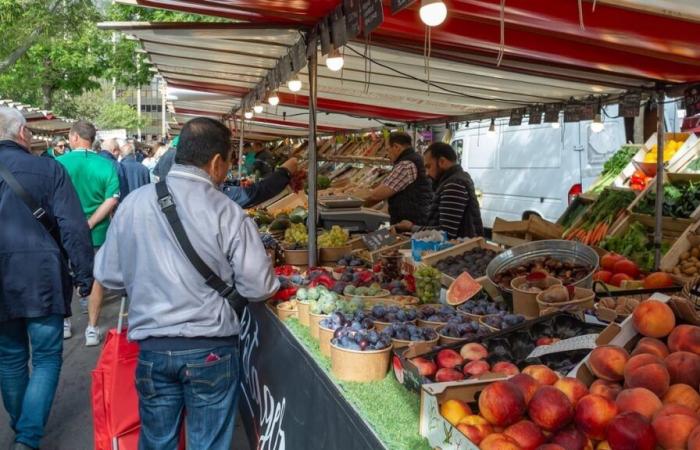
(462, 289)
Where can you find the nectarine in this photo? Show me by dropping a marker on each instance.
(526, 434)
(542, 374)
(652, 346)
(682, 394)
(453, 410)
(593, 414)
(685, 338)
(631, 431)
(639, 400)
(573, 388)
(608, 362)
(550, 408)
(683, 367)
(527, 385)
(502, 403)
(476, 428)
(653, 318)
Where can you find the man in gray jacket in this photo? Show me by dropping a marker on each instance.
(188, 333)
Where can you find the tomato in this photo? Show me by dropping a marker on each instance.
(618, 278)
(607, 262)
(658, 280)
(626, 266)
(602, 275)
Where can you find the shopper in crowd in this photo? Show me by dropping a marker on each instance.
(59, 146)
(35, 278)
(165, 163)
(97, 183)
(248, 158)
(264, 161)
(187, 332)
(135, 173)
(407, 188)
(111, 151)
(265, 189)
(455, 209)
(150, 160)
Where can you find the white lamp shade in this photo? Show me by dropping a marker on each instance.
(248, 114)
(273, 100)
(258, 108)
(433, 12)
(294, 84)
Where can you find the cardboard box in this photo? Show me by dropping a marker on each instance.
(512, 233)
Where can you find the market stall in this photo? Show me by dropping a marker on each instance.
(378, 340)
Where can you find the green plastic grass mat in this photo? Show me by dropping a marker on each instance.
(391, 410)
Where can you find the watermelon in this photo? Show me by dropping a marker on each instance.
(462, 289)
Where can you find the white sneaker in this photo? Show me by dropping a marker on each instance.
(84, 305)
(67, 332)
(92, 336)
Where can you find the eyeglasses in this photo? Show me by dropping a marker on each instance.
(60, 146)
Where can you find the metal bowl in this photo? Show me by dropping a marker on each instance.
(566, 251)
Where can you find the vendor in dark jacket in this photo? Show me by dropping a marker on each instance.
(455, 208)
(35, 281)
(407, 188)
(273, 184)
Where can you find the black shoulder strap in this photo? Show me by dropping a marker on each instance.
(37, 211)
(165, 200)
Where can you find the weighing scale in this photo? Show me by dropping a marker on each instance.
(348, 213)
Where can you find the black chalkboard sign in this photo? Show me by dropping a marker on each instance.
(551, 113)
(378, 239)
(535, 115)
(572, 112)
(516, 118)
(325, 32)
(692, 100)
(629, 105)
(351, 8)
(372, 15)
(398, 5)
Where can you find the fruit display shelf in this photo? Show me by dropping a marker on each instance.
(285, 373)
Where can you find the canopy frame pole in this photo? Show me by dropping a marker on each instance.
(658, 207)
(313, 194)
(240, 148)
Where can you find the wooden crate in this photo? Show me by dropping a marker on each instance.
(684, 160)
(669, 178)
(690, 238)
(446, 280)
(585, 199)
(289, 202)
(623, 179)
(671, 229)
(374, 256)
(513, 233)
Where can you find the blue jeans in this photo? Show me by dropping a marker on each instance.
(28, 399)
(177, 383)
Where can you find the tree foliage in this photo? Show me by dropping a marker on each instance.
(119, 115)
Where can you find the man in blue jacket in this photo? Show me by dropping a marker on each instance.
(35, 278)
(135, 173)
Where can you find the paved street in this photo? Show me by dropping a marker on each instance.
(70, 424)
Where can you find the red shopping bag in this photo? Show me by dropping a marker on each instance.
(115, 403)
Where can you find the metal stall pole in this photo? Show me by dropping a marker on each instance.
(659, 178)
(311, 220)
(240, 149)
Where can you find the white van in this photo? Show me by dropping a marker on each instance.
(534, 169)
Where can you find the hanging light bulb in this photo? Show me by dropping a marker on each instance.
(433, 12)
(597, 126)
(273, 99)
(258, 108)
(248, 115)
(294, 84)
(492, 127)
(334, 60)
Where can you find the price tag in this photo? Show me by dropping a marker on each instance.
(398, 5)
(551, 113)
(588, 111)
(629, 106)
(378, 239)
(372, 15)
(352, 17)
(692, 100)
(572, 112)
(587, 341)
(516, 118)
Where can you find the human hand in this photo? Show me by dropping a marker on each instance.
(404, 225)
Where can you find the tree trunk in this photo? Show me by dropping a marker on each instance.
(47, 96)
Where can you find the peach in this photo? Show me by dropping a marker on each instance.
(651, 346)
(473, 351)
(526, 434)
(675, 410)
(603, 445)
(550, 408)
(527, 385)
(475, 368)
(631, 431)
(474, 427)
(647, 374)
(607, 389)
(505, 368)
(685, 338)
(425, 367)
(453, 410)
(448, 359)
(542, 374)
(673, 430)
(653, 318)
(608, 362)
(498, 441)
(573, 388)
(683, 367)
(684, 395)
(502, 403)
(448, 375)
(639, 400)
(570, 438)
(694, 439)
(593, 414)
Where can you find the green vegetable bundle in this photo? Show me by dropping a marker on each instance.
(681, 199)
(637, 245)
(614, 166)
